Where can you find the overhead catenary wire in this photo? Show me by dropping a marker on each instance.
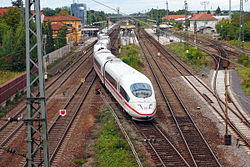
(171, 33)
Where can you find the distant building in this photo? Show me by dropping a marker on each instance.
(73, 26)
(179, 18)
(204, 23)
(219, 18)
(79, 10)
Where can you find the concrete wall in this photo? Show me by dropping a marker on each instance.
(51, 57)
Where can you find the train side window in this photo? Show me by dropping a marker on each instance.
(124, 94)
(111, 79)
(97, 64)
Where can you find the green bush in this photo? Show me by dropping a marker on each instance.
(130, 55)
(243, 59)
(80, 161)
(195, 58)
(244, 74)
(8, 100)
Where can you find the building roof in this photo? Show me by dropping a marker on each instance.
(62, 17)
(57, 26)
(3, 10)
(202, 17)
(175, 17)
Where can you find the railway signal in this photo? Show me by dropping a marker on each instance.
(84, 52)
(62, 112)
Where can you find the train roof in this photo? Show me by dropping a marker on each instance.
(115, 65)
(129, 75)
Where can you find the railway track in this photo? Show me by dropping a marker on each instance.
(9, 130)
(197, 150)
(51, 88)
(230, 49)
(240, 127)
(61, 125)
(162, 150)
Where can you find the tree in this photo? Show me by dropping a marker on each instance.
(47, 30)
(11, 17)
(17, 3)
(218, 11)
(60, 40)
(18, 61)
(49, 12)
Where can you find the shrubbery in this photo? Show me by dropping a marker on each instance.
(112, 148)
(130, 56)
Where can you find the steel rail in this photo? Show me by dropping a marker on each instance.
(230, 123)
(243, 119)
(182, 104)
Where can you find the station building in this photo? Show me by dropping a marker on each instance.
(73, 26)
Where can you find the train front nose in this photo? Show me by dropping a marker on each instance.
(146, 109)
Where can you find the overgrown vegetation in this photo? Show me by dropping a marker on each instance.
(7, 75)
(11, 103)
(130, 55)
(230, 31)
(112, 150)
(244, 73)
(236, 43)
(245, 76)
(194, 58)
(13, 40)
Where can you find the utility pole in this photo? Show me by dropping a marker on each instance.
(22, 12)
(230, 12)
(118, 11)
(186, 25)
(205, 3)
(241, 26)
(227, 137)
(167, 11)
(36, 102)
(158, 25)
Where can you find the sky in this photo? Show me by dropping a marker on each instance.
(134, 6)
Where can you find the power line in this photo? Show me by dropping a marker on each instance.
(170, 33)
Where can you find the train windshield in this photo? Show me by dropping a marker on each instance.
(141, 90)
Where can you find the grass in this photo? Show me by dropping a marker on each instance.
(194, 59)
(130, 55)
(244, 74)
(112, 150)
(80, 161)
(8, 75)
(236, 43)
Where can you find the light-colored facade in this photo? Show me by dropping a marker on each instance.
(203, 22)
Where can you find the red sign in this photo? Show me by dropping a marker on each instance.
(84, 51)
(62, 112)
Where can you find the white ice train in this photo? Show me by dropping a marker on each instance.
(131, 89)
